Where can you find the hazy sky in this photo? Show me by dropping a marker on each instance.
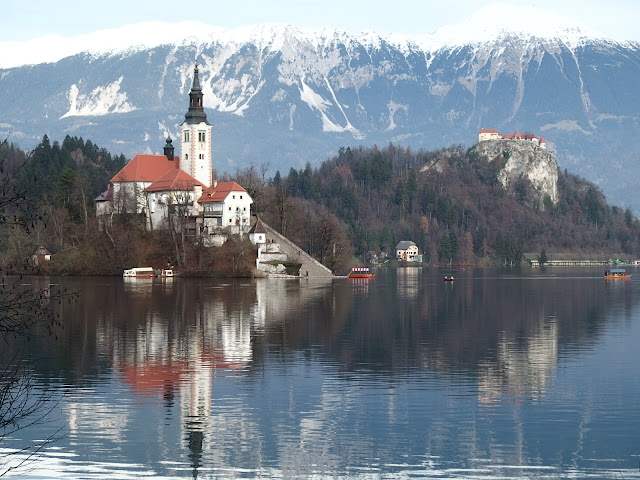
(24, 20)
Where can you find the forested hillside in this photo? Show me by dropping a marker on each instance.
(448, 201)
(48, 194)
(70, 175)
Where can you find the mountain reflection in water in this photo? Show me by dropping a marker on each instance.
(493, 375)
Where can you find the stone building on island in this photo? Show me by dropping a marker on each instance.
(170, 188)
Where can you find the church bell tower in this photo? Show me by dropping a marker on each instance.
(195, 136)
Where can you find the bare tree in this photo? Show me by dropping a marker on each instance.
(239, 250)
(183, 228)
(284, 204)
(253, 180)
(21, 309)
(22, 405)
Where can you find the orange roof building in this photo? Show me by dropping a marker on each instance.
(490, 134)
(226, 204)
(156, 184)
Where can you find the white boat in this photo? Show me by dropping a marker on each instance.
(140, 272)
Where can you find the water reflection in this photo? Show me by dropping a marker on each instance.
(402, 375)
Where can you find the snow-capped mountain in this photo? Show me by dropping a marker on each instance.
(286, 96)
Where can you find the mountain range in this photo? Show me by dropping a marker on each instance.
(283, 96)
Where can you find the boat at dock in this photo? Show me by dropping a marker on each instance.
(361, 272)
(139, 272)
(448, 278)
(616, 274)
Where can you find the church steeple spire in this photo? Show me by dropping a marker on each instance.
(196, 80)
(196, 113)
(195, 136)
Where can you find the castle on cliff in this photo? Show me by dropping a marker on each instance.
(490, 134)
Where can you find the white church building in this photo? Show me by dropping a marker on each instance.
(168, 188)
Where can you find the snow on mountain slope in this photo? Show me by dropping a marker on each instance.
(101, 101)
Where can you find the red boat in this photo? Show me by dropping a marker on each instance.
(361, 272)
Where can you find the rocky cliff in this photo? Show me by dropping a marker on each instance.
(523, 159)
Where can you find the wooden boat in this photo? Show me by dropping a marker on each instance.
(448, 278)
(361, 272)
(616, 274)
(140, 272)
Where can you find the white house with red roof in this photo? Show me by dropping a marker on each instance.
(226, 204)
(490, 134)
(174, 193)
(166, 187)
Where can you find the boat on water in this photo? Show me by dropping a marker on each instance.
(616, 274)
(140, 272)
(167, 273)
(361, 272)
(448, 278)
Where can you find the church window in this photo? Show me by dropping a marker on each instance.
(186, 136)
(186, 156)
(201, 136)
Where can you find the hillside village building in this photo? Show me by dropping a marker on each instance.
(167, 188)
(490, 134)
(407, 251)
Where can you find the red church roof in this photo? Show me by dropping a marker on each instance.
(220, 192)
(489, 130)
(175, 179)
(146, 168)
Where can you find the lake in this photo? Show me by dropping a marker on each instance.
(499, 374)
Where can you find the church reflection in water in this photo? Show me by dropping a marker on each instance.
(207, 352)
(187, 334)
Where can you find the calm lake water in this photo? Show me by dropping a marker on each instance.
(531, 374)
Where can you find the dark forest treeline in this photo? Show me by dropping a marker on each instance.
(447, 201)
(451, 204)
(53, 190)
(68, 175)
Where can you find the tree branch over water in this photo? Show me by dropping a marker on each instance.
(24, 310)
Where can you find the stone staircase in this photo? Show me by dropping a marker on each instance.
(310, 266)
